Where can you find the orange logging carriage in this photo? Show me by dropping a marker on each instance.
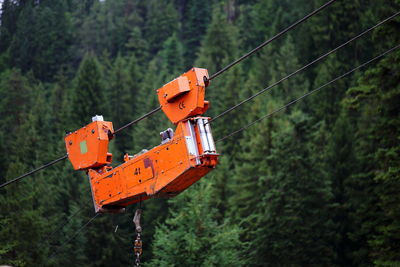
(183, 157)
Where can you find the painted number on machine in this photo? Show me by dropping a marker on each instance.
(137, 171)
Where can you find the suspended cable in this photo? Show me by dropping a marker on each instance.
(221, 71)
(51, 236)
(83, 227)
(66, 155)
(211, 77)
(35, 170)
(303, 68)
(272, 39)
(242, 57)
(258, 120)
(76, 233)
(307, 94)
(138, 119)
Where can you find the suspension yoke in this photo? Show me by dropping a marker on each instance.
(182, 158)
(184, 97)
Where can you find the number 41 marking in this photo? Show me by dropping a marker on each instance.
(137, 171)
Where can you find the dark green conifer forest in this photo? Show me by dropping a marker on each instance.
(317, 184)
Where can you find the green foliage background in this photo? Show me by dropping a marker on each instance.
(316, 185)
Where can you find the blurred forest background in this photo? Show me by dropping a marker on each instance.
(316, 185)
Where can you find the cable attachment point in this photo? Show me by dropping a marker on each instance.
(137, 246)
(206, 81)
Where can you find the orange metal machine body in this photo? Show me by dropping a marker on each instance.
(166, 170)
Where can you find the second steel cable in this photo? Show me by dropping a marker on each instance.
(302, 68)
(272, 39)
(307, 94)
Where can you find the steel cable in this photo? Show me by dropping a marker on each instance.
(35, 170)
(271, 39)
(307, 94)
(76, 233)
(49, 238)
(302, 68)
(66, 155)
(211, 77)
(138, 119)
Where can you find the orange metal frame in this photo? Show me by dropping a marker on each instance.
(165, 170)
(184, 97)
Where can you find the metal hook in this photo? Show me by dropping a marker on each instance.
(136, 220)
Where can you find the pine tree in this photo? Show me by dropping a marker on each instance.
(9, 17)
(218, 47)
(373, 189)
(195, 17)
(146, 133)
(17, 92)
(171, 59)
(42, 31)
(21, 220)
(295, 224)
(52, 35)
(88, 99)
(121, 94)
(138, 46)
(245, 184)
(161, 23)
(22, 45)
(193, 237)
